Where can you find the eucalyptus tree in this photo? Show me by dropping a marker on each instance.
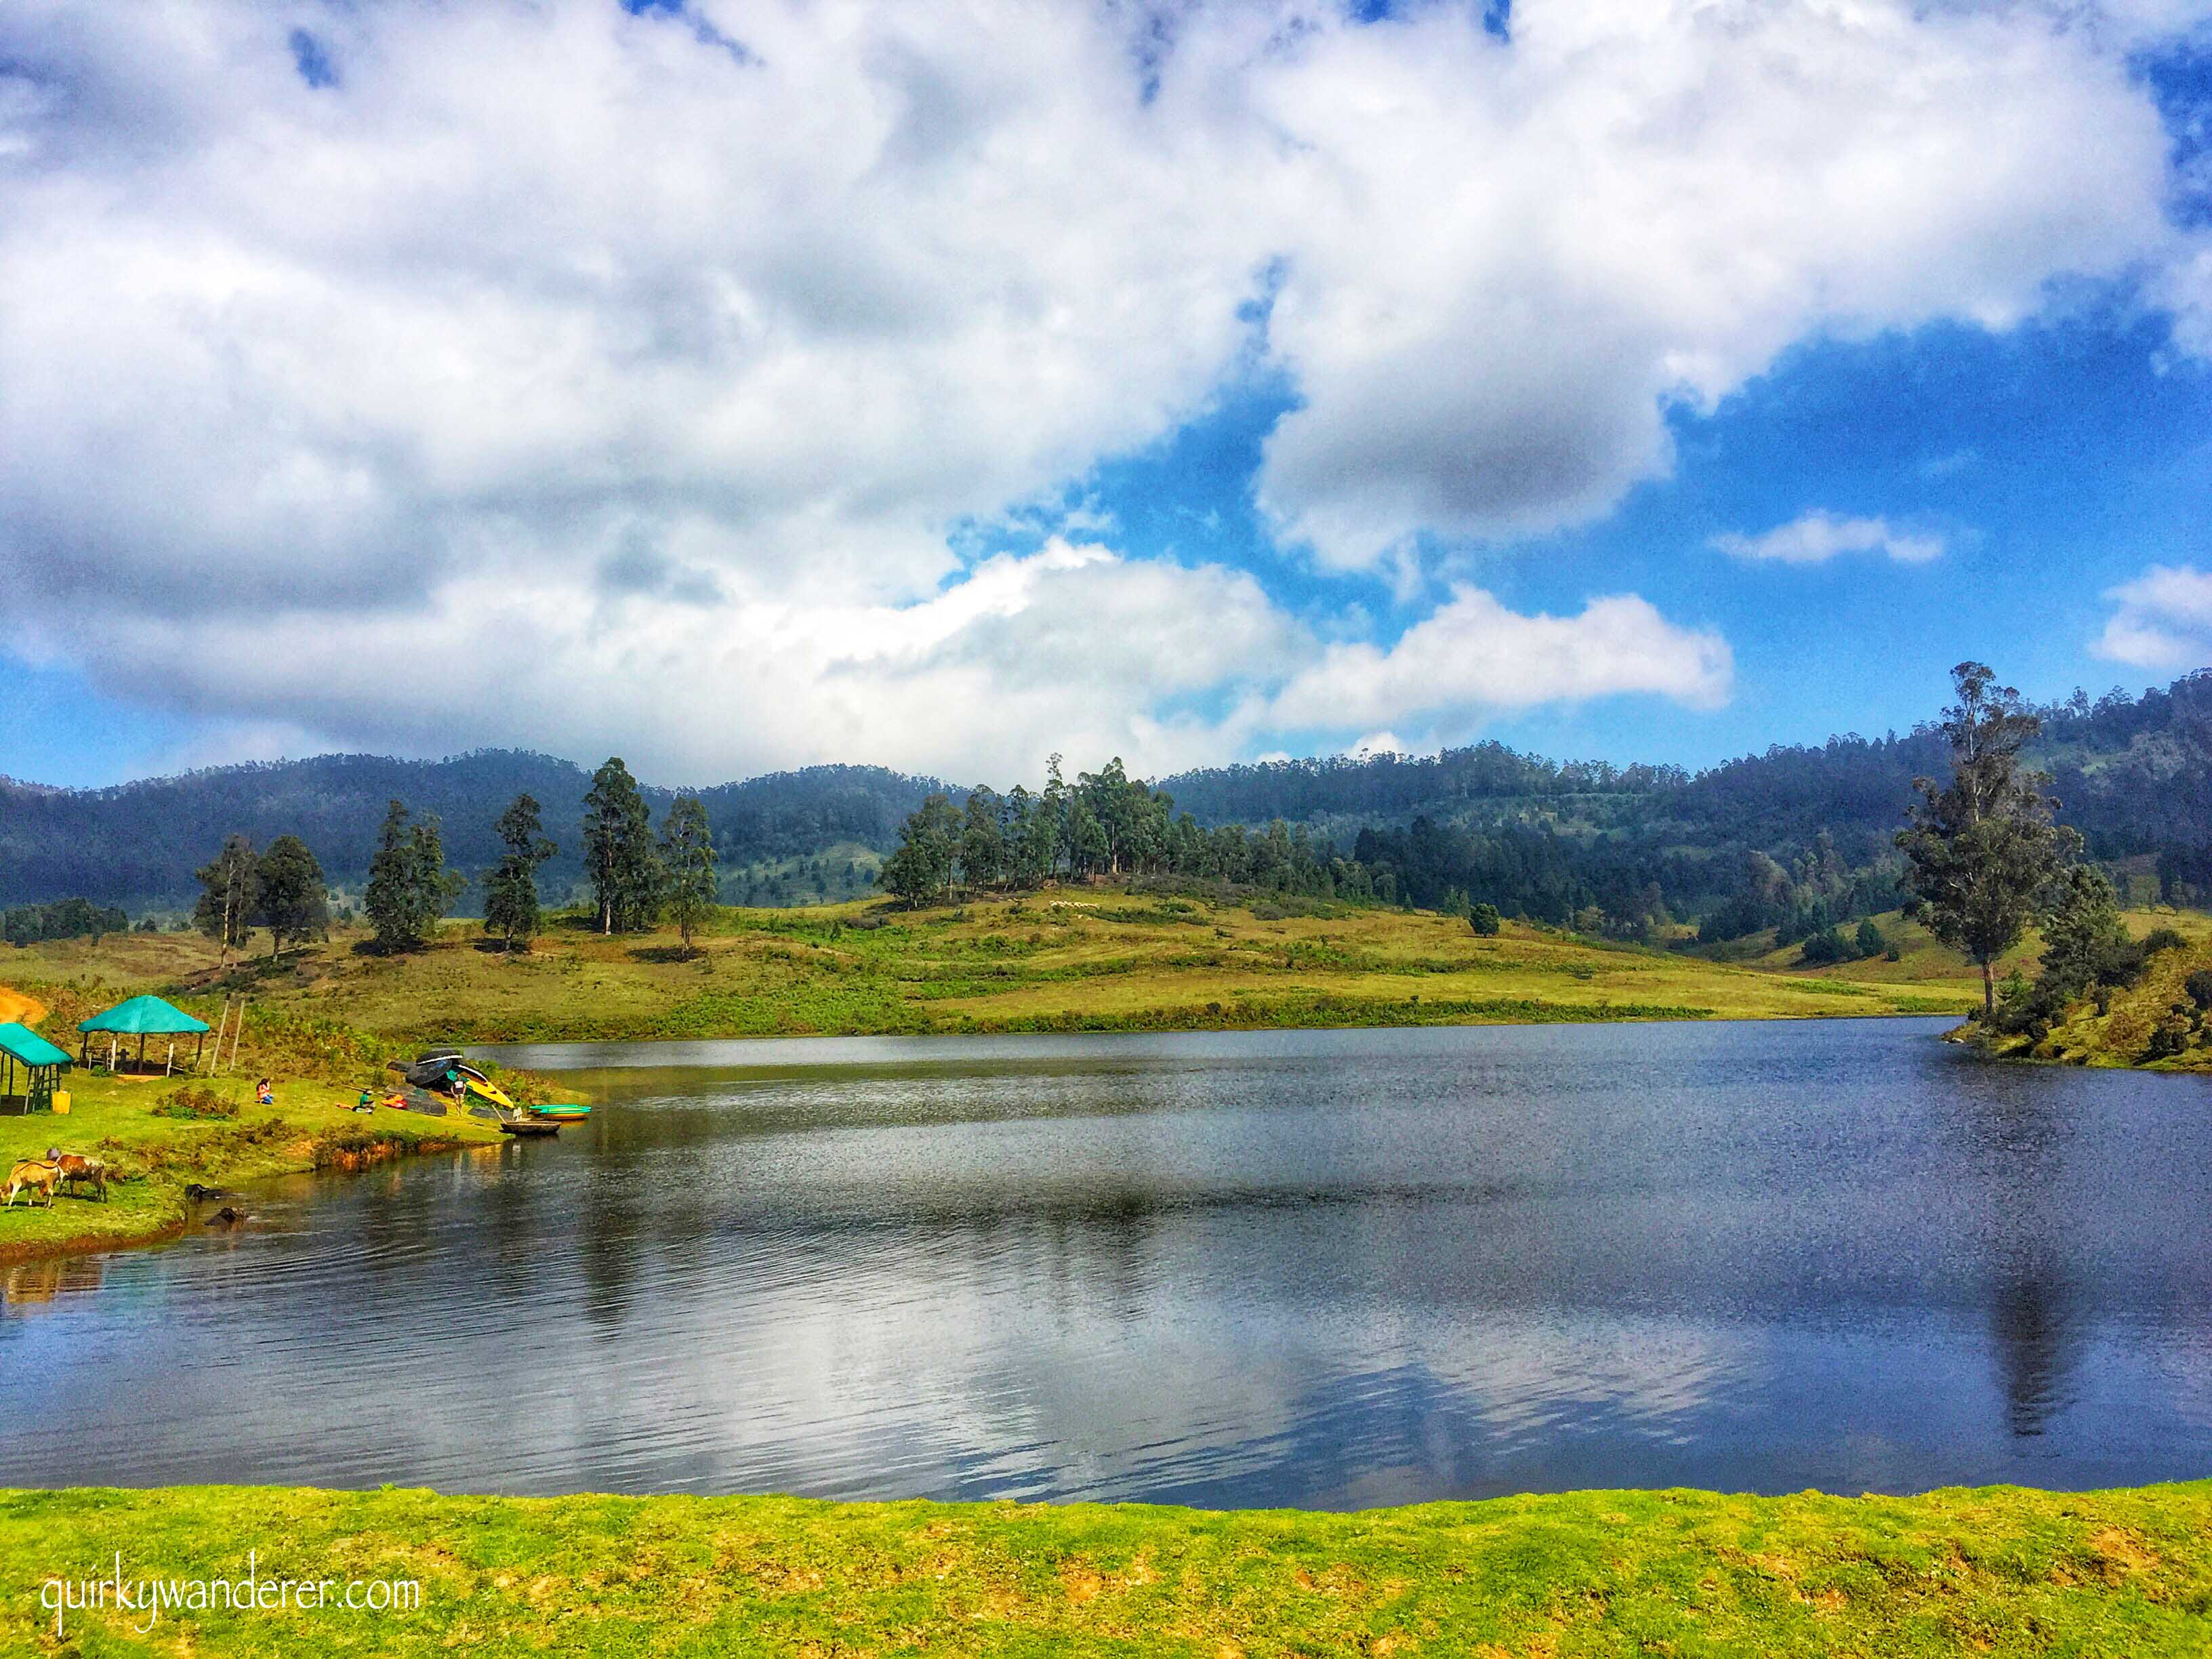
(229, 886)
(1980, 849)
(687, 858)
(291, 898)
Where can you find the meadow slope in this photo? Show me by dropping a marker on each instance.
(1081, 958)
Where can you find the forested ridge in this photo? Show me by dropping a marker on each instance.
(139, 843)
(1796, 839)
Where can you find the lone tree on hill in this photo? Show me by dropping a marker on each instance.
(511, 890)
(618, 850)
(1979, 851)
(409, 887)
(292, 901)
(687, 857)
(229, 884)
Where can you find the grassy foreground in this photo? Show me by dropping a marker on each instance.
(1997, 1570)
(1074, 959)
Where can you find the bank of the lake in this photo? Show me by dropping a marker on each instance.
(1998, 1571)
(154, 1156)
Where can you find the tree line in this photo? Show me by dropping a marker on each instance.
(1103, 823)
(637, 877)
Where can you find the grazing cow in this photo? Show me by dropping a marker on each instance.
(78, 1171)
(35, 1174)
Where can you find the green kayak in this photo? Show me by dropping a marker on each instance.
(562, 1111)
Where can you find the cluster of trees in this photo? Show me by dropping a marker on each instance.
(1103, 823)
(636, 877)
(69, 918)
(282, 889)
(1814, 894)
(1832, 945)
(410, 888)
(2086, 952)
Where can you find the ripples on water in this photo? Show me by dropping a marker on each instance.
(1335, 1268)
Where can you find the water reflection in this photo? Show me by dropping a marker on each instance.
(1325, 1269)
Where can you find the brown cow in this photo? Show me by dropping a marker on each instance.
(76, 1170)
(41, 1177)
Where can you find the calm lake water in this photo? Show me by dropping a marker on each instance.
(1318, 1268)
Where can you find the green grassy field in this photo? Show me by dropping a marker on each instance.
(1081, 958)
(1997, 1570)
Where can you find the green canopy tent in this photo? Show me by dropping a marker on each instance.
(42, 1064)
(140, 1017)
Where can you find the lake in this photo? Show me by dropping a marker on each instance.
(1329, 1269)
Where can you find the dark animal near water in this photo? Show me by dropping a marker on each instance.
(36, 1177)
(226, 1216)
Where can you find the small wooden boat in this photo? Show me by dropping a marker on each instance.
(530, 1125)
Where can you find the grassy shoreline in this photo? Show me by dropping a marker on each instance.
(153, 1158)
(2003, 1571)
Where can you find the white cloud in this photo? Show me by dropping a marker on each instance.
(2162, 620)
(1817, 536)
(629, 391)
(1515, 259)
(1474, 652)
(1073, 647)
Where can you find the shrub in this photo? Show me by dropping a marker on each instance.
(2172, 1034)
(2199, 987)
(2162, 938)
(1484, 919)
(192, 1102)
(1826, 946)
(1871, 941)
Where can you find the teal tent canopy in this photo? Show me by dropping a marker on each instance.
(143, 1016)
(41, 1062)
(28, 1048)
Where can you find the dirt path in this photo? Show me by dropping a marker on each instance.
(15, 1005)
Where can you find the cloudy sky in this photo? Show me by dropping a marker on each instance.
(741, 384)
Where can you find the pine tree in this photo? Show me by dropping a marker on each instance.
(388, 900)
(291, 899)
(687, 858)
(409, 886)
(229, 884)
(510, 909)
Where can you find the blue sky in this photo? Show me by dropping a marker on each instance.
(939, 392)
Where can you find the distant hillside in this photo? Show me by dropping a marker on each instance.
(2133, 774)
(1794, 839)
(138, 843)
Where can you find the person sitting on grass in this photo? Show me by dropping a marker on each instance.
(264, 1093)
